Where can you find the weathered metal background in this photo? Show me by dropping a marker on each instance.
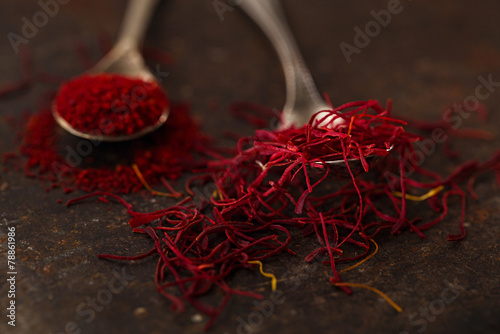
(429, 55)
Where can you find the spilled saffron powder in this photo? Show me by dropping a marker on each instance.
(47, 160)
(110, 104)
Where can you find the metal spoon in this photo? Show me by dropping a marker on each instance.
(302, 97)
(124, 59)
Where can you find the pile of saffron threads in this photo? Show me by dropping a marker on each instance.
(279, 183)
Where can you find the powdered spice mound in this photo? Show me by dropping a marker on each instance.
(157, 161)
(110, 104)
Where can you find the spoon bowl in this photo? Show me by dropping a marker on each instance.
(339, 170)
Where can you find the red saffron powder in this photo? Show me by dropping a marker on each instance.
(47, 160)
(110, 104)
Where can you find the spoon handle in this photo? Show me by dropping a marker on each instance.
(303, 98)
(136, 21)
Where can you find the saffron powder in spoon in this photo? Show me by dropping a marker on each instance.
(110, 104)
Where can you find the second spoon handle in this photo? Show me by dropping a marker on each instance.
(303, 98)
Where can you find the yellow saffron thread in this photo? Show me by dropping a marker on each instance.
(353, 118)
(146, 185)
(216, 193)
(431, 193)
(274, 281)
(365, 259)
(377, 291)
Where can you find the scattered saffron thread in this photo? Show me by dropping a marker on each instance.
(274, 281)
(377, 291)
(364, 260)
(147, 186)
(423, 197)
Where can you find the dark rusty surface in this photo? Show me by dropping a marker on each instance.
(430, 55)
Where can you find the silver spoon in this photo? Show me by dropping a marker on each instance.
(124, 59)
(302, 97)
